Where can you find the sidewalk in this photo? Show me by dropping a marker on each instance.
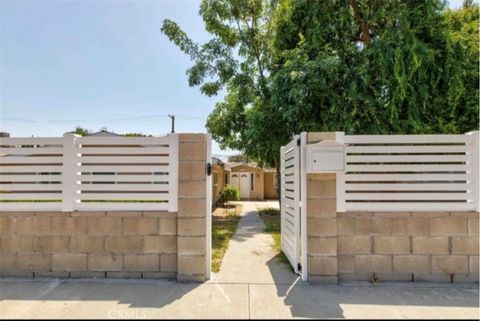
(251, 284)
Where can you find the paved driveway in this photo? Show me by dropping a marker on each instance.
(251, 284)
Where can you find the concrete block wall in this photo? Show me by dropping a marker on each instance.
(88, 244)
(322, 228)
(408, 246)
(137, 244)
(192, 208)
(394, 246)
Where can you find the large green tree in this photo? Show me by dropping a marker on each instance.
(373, 67)
(368, 66)
(238, 59)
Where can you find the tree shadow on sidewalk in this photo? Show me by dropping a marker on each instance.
(337, 301)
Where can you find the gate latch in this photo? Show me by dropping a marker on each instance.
(209, 169)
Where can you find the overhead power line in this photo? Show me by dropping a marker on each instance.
(122, 119)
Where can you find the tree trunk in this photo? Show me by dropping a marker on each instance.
(363, 26)
(279, 179)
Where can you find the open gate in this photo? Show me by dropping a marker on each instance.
(290, 201)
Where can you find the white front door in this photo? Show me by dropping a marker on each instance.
(245, 185)
(235, 181)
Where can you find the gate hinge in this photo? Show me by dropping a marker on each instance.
(299, 267)
(299, 141)
(209, 169)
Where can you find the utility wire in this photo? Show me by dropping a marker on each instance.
(123, 119)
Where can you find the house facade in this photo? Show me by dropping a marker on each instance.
(253, 182)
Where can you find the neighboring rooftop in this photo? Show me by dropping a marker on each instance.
(103, 133)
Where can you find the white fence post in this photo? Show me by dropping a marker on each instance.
(303, 207)
(69, 172)
(474, 156)
(208, 219)
(173, 181)
(340, 177)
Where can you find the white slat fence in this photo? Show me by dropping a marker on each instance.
(89, 173)
(31, 173)
(411, 172)
(290, 201)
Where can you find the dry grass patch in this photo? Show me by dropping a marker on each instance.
(271, 219)
(224, 225)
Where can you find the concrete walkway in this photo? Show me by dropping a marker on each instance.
(251, 284)
(250, 258)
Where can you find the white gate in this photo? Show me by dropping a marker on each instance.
(290, 201)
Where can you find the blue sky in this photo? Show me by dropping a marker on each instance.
(98, 63)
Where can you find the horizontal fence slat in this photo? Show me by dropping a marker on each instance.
(32, 206)
(30, 196)
(31, 141)
(405, 139)
(124, 178)
(31, 160)
(123, 187)
(122, 206)
(409, 187)
(407, 177)
(407, 196)
(125, 159)
(289, 202)
(122, 140)
(30, 187)
(290, 162)
(406, 158)
(412, 207)
(125, 196)
(31, 169)
(32, 151)
(408, 168)
(407, 149)
(290, 170)
(30, 178)
(103, 150)
(123, 168)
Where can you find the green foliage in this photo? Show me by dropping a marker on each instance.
(409, 76)
(237, 59)
(269, 211)
(227, 194)
(136, 135)
(81, 131)
(238, 158)
(371, 66)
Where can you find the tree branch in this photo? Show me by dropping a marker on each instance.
(363, 26)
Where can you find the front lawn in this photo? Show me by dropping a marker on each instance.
(224, 225)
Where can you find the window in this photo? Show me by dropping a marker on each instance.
(252, 182)
(275, 181)
(227, 181)
(215, 178)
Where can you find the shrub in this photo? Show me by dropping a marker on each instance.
(228, 194)
(269, 211)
